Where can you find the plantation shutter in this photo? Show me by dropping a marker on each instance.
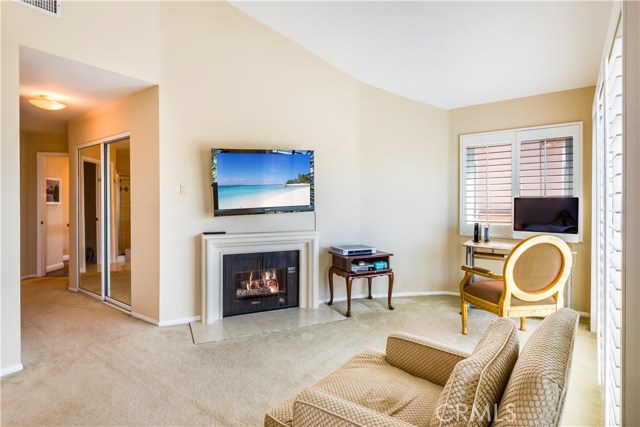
(488, 191)
(546, 167)
(599, 209)
(608, 227)
(614, 230)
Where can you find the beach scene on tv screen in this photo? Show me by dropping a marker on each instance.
(247, 180)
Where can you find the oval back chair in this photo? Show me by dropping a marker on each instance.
(532, 282)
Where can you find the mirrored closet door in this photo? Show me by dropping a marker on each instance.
(90, 219)
(104, 221)
(119, 230)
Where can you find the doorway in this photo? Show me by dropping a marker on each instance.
(52, 206)
(104, 221)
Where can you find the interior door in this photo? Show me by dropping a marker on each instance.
(118, 224)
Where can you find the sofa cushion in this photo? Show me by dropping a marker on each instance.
(317, 408)
(476, 383)
(535, 392)
(281, 414)
(369, 381)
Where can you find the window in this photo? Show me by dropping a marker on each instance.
(486, 163)
(495, 167)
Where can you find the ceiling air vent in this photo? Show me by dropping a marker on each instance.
(51, 7)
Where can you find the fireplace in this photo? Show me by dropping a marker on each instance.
(216, 246)
(260, 281)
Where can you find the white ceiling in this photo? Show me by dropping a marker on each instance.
(449, 53)
(81, 87)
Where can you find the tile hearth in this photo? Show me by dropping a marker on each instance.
(263, 322)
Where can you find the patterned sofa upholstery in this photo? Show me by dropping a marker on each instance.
(418, 382)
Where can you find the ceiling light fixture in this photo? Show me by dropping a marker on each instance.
(47, 103)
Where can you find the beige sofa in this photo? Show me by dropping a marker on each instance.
(422, 383)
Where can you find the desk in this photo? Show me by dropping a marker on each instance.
(341, 265)
(500, 250)
(489, 250)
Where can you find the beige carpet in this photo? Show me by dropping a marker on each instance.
(89, 364)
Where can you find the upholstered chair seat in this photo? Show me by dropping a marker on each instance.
(491, 291)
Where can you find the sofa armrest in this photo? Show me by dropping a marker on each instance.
(316, 408)
(423, 358)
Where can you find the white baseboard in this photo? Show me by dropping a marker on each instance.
(416, 294)
(72, 289)
(399, 294)
(172, 322)
(183, 321)
(65, 257)
(29, 276)
(145, 318)
(54, 267)
(11, 369)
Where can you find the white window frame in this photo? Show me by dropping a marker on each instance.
(516, 137)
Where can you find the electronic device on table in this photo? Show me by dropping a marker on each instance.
(246, 182)
(558, 216)
(352, 250)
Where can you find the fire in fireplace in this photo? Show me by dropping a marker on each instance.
(259, 282)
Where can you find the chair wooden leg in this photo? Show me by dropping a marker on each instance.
(522, 323)
(465, 307)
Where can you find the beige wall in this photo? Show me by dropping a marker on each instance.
(137, 115)
(56, 217)
(251, 87)
(558, 107)
(248, 88)
(402, 154)
(30, 145)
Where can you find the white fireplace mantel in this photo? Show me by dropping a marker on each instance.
(215, 246)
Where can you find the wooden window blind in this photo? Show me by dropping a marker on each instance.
(546, 167)
(488, 192)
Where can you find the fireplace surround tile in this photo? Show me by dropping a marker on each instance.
(208, 333)
(263, 322)
(241, 326)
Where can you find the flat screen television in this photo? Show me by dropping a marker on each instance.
(248, 182)
(558, 216)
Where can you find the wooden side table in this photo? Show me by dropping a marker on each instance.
(341, 265)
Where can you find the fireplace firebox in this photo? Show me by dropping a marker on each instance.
(259, 281)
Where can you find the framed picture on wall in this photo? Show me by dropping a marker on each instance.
(52, 190)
